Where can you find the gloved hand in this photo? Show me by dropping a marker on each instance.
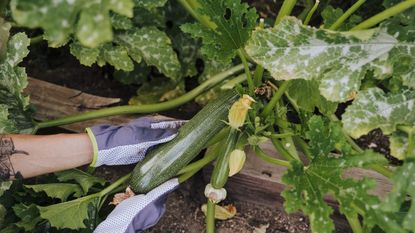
(127, 144)
(139, 212)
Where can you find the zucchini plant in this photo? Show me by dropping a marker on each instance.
(320, 76)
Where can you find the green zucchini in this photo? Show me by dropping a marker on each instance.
(220, 173)
(166, 160)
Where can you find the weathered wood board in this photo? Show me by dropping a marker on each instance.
(52, 101)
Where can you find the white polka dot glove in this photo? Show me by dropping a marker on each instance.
(139, 212)
(127, 144)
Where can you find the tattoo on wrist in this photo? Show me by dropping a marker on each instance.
(7, 150)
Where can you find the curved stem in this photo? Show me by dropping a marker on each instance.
(251, 85)
(114, 185)
(354, 223)
(303, 145)
(308, 4)
(262, 155)
(146, 108)
(275, 98)
(394, 10)
(346, 15)
(259, 70)
(210, 217)
(286, 9)
(310, 14)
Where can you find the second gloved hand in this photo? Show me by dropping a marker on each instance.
(127, 144)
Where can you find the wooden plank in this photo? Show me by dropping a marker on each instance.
(53, 101)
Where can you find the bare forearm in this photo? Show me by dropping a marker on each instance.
(32, 155)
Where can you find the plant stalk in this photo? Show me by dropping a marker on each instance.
(275, 98)
(286, 9)
(251, 85)
(354, 223)
(310, 14)
(146, 108)
(346, 15)
(308, 4)
(376, 19)
(259, 70)
(114, 185)
(210, 217)
(267, 158)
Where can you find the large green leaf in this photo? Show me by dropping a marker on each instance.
(152, 45)
(29, 216)
(308, 185)
(374, 109)
(59, 190)
(71, 214)
(233, 22)
(88, 20)
(337, 60)
(82, 178)
(15, 115)
(403, 182)
(399, 63)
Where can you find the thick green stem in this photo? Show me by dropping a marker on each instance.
(354, 223)
(308, 5)
(376, 19)
(281, 135)
(280, 148)
(210, 217)
(251, 85)
(147, 108)
(303, 145)
(310, 14)
(275, 98)
(286, 9)
(267, 158)
(346, 15)
(114, 185)
(259, 70)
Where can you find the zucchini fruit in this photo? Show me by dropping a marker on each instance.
(165, 161)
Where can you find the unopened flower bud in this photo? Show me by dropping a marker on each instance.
(236, 161)
(215, 195)
(238, 111)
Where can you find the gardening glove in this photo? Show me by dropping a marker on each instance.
(127, 144)
(138, 212)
